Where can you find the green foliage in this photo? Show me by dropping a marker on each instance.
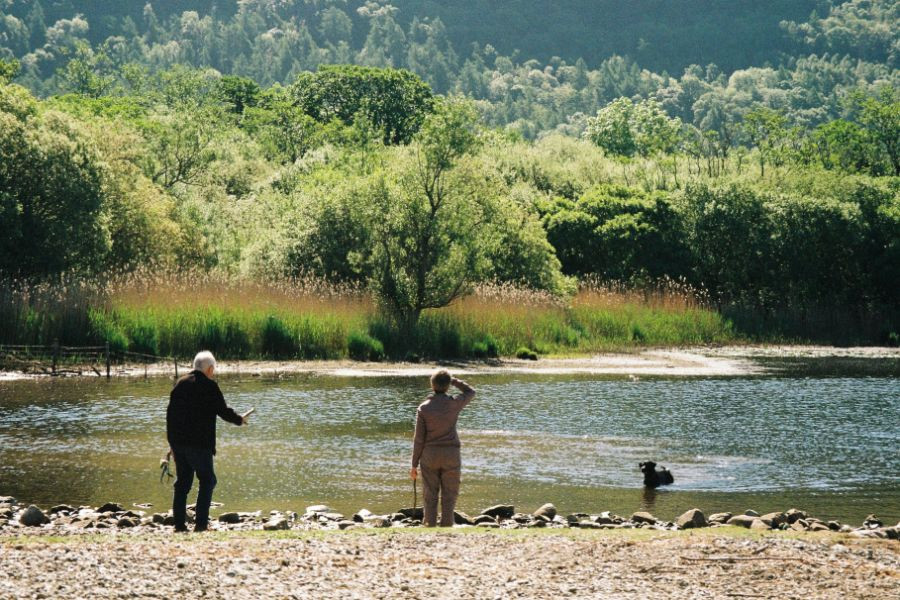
(526, 353)
(395, 101)
(624, 128)
(361, 346)
(8, 70)
(50, 196)
(427, 249)
(277, 340)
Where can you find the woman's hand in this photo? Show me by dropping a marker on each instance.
(413, 473)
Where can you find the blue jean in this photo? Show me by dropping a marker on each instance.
(188, 461)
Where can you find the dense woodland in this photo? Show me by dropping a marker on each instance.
(748, 151)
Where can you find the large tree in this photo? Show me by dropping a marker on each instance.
(393, 100)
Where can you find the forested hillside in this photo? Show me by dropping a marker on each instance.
(373, 149)
(707, 62)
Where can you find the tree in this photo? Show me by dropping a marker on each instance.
(238, 92)
(881, 116)
(50, 197)
(625, 128)
(8, 70)
(395, 101)
(767, 130)
(426, 226)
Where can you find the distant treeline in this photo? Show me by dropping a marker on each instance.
(708, 63)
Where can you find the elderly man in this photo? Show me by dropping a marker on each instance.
(194, 403)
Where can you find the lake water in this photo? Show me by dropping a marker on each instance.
(829, 444)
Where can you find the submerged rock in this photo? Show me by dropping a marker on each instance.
(33, 517)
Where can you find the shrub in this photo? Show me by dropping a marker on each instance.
(361, 346)
(277, 339)
(526, 353)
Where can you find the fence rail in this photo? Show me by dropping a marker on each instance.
(56, 359)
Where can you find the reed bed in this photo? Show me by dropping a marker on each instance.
(175, 315)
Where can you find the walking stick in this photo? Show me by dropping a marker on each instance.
(415, 494)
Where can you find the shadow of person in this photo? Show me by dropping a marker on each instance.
(648, 499)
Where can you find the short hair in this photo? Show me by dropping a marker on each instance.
(440, 381)
(204, 360)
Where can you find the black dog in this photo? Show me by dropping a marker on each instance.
(654, 477)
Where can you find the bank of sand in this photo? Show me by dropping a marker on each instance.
(417, 564)
(674, 362)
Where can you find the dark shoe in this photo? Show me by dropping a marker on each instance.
(200, 528)
(180, 529)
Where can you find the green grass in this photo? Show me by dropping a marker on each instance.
(278, 321)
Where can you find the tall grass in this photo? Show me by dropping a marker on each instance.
(310, 319)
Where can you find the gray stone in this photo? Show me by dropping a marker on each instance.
(720, 518)
(110, 507)
(484, 519)
(547, 510)
(643, 517)
(759, 524)
(318, 508)
(818, 527)
(331, 516)
(800, 525)
(692, 519)
(500, 511)
(461, 518)
(794, 515)
(61, 508)
(751, 513)
(412, 513)
(589, 525)
(230, 517)
(33, 516)
(604, 520)
(277, 523)
(489, 524)
(126, 522)
(158, 518)
(362, 515)
(872, 522)
(346, 524)
(380, 522)
(834, 525)
(741, 520)
(774, 519)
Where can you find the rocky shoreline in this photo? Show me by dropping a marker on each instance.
(63, 519)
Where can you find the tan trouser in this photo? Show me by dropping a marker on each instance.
(440, 474)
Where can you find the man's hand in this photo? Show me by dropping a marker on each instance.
(245, 418)
(413, 473)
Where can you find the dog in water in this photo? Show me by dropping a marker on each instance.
(653, 477)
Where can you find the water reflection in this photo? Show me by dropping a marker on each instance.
(826, 444)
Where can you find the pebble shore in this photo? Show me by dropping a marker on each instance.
(113, 552)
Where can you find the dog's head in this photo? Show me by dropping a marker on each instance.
(647, 466)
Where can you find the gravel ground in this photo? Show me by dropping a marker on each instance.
(461, 564)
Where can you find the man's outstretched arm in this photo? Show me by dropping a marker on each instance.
(223, 410)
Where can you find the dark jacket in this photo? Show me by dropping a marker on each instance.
(194, 403)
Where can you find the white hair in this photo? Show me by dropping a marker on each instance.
(204, 360)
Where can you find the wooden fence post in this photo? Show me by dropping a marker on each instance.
(176, 366)
(55, 354)
(107, 359)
